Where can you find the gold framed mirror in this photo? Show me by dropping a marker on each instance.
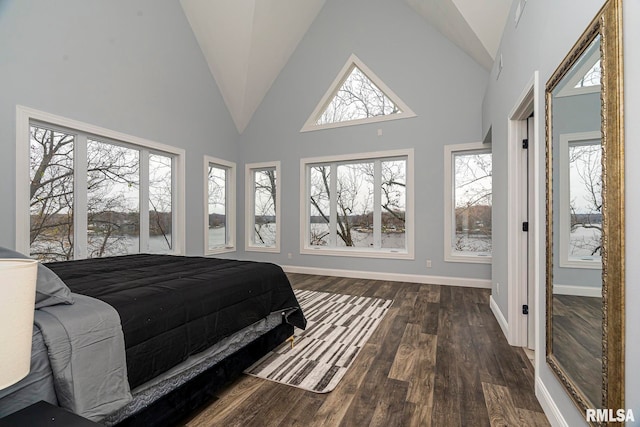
(585, 216)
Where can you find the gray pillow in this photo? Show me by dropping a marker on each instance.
(50, 289)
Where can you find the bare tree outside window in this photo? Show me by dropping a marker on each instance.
(51, 194)
(160, 203)
(113, 200)
(585, 200)
(112, 191)
(592, 77)
(264, 207)
(320, 209)
(355, 204)
(472, 202)
(394, 203)
(217, 203)
(357, 98)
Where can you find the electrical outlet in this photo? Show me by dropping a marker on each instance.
(379, 132)
(498, 288)
(289, 255)
(428, 263)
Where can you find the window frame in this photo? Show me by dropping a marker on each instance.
(388, 253)
(26, 116)
(353, 61)
(230, 205)
(450, 254)
(250, 169)
(566, 140)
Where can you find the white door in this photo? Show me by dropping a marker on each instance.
(528, 253)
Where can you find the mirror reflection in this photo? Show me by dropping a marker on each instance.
(577, 224)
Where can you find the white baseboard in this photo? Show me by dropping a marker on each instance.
(580, 291)
(549, 406)
(499, 317)
(392, 277)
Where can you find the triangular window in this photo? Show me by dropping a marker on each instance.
(356, 96)
(592, 77)
(586, 75)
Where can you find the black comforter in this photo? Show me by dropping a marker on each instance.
(172, 306)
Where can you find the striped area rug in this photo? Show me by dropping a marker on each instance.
(338, 326)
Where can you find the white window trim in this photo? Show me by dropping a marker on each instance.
(305, 248)
(565, 213)
(311, 123)
(230, 196)
(24, 116)
(250, 209)
(449, 254)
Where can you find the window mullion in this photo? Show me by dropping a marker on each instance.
(144, 201)
(333, 206)
(252, 207)
(80, 183)
(174, 204)
(377, 204)
(227, 229)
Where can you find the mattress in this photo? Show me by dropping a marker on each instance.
(172, 307)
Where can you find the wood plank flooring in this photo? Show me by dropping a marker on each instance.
(577, 341)
(437, 359)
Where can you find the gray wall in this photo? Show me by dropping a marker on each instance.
(546, 32)
(133, 67)
(440, 83)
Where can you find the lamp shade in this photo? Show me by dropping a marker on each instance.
(17, 304)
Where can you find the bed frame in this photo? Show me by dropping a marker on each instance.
(179, 404)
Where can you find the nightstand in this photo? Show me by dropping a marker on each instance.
(44, 414)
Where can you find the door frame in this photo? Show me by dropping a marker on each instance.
(523, 257)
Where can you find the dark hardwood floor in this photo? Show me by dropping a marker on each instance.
(577, 341)
(437, 359)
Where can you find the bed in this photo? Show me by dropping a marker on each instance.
(150, 337)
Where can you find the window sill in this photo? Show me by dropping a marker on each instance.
(473, 259)
(249, 248)
(218, 251)
(357, 253)
(578, 263)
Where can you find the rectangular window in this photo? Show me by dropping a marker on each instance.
(86, 194)
(113, 199)
(52, 195)
(581, 200)
(220, 206)
(263, 207)
(468, 187)
(358, 205)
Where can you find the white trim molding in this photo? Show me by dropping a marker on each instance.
(249, 193)
(230, 205)
(24, 117)
(518, 242)
(391, 277)
(504, 325)
(579, 291)
(355, 62)
(549, 406)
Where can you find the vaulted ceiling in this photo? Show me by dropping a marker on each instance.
(246, 43)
